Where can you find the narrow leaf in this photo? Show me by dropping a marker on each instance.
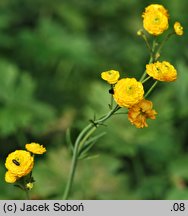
(90, 143)
(91, 157)
(94, 138)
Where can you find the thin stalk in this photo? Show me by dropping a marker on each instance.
(82, 138)
(74, 161)
(89, 133)
(146, 79)
(71, 176)
(152, 53)
(163, 42)
(111, 102)
(112, 99)
(121, 113)
(27, 195)
(151, 89)
(146, 41)
(104, 118)
(143, 76)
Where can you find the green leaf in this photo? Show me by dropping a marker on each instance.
(19, 109)
(89, 144)
(91, 157)
(94, 138)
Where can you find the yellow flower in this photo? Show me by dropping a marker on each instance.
(110, 76)
(162, 71)
(141, 111)
(10, 177)
(157, 7)
(178, 28)
(155, 19)
(140, 32)
(29, 186)
(35, 148)
(127, 92)
(19, 163)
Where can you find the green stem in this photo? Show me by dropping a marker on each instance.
(81, 139)
(143, 76)
(146, 79)
(89, 133)
(104, 118)
(27, 195)
(146, 41)
(71, 176)
(152, 54)
(163, 42)
(151, 89)
(74, 161)
(112, 99)
(121, 113)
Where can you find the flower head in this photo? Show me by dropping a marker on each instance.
(141, 111)
(110, 76)
(178, 28)
(29, 185)
(140, 32)
(156, 7)
(19, 163)
(162, 71)
(10, 177)
(128, 91)
(35, 148)
(155, 19)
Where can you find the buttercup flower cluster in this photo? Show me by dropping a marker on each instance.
(130, 93)
(20, 164)
(156, 20)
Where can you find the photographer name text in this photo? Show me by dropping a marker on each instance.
(44, 207)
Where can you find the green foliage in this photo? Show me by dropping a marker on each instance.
(19, 109)
(103, 182)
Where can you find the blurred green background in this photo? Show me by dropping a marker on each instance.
(51, 57)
